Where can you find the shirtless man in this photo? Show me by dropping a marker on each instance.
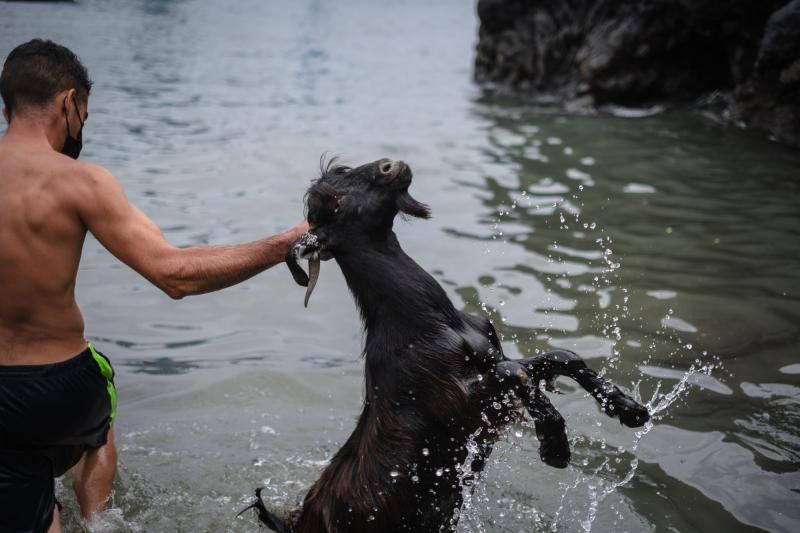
(56, 407)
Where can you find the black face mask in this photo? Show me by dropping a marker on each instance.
(72, 146)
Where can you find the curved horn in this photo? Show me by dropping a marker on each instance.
(307, 246)
(313, 276)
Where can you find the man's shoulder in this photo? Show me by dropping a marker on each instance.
(35, 160)
(83, 174)
(86, 169)
(83, 183)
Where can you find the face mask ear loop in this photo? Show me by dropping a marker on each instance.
(66, 116)
(77, 111)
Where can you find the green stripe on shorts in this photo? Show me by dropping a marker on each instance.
(108, 373)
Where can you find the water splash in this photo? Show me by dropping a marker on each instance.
(659, 402)
(472, 490)
(110, 521)
(488, 504)
(598, 489)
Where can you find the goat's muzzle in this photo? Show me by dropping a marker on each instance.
(307, 247)
(393, 169)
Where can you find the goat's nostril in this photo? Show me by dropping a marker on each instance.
(386, 167)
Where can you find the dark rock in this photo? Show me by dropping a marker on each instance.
(770, 99)
(637, 53)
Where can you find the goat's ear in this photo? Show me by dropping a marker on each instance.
(406, 204)
(299, 275)
(323, 203)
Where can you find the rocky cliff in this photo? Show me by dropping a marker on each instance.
(742, 56)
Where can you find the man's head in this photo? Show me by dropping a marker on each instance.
(44, 79)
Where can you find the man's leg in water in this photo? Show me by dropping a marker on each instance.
(55, 525)
(93, 477)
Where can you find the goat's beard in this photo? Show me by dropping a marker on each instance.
(406, 204)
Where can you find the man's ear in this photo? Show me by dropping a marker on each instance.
(68, 101)
(323, 204)
(63, 100)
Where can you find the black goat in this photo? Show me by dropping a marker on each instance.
(438, 387)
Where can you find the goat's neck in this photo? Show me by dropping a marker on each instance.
(397, 298)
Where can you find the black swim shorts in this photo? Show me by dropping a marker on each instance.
(49, 416)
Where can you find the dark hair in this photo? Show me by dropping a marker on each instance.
(34, 72)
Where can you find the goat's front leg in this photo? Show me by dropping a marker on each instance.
(613, 401)
(496, 393)
(551, 429)
(494, 398)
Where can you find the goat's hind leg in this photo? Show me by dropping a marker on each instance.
(613, 401)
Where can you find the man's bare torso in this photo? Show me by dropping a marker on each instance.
(41, 237)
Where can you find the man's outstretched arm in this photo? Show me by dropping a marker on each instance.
(134, 239)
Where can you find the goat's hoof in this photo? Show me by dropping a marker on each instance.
(630, 412)
(264, 516)
(553, 444)
(258, 505)
(555, 461)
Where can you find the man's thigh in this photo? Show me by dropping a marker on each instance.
(26, 491)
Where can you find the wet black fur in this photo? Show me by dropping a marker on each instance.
(435, 377)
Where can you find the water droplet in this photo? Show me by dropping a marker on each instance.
(394, 473)
(439, 472)
(426, 452)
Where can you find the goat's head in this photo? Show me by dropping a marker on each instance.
(351, 207)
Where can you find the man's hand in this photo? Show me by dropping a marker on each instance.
(298, 229)
(303, 227)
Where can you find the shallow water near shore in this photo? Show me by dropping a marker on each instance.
(664, 249)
